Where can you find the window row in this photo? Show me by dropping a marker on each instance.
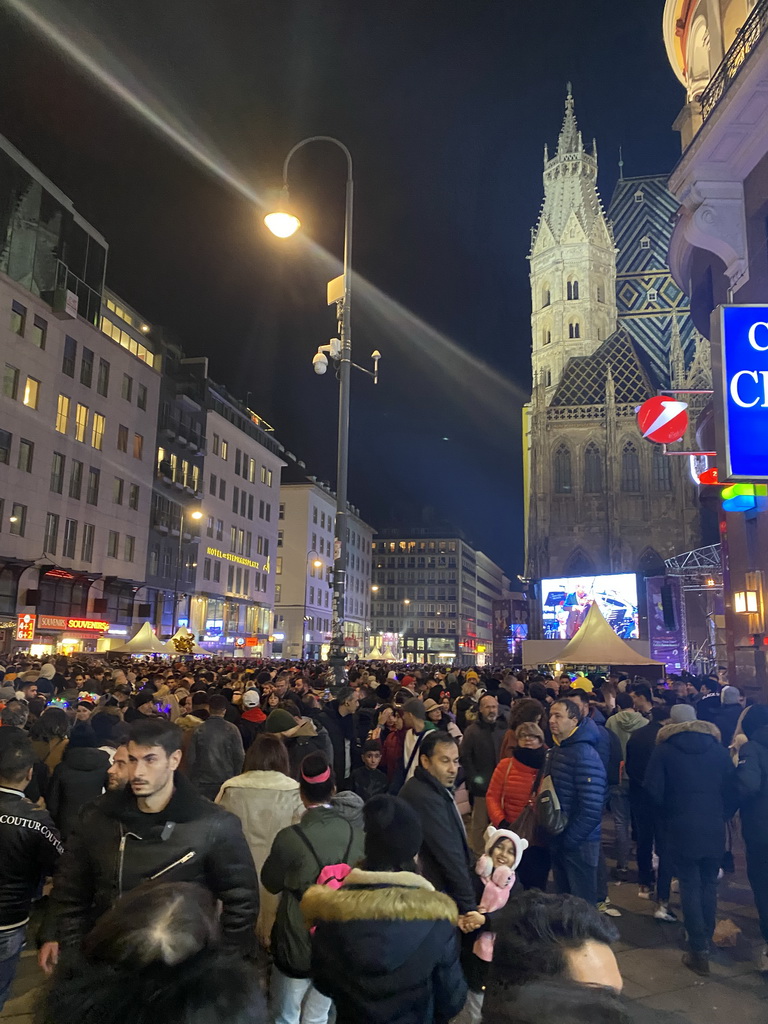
(319, 518)
(69, 535)
(36, 331)
(181, 471)
(409, 546)
(571, 292)
(631, 475)
(98, 426)
(127, 341)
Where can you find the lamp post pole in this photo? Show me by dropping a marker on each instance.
(179, 555)
(338, 656)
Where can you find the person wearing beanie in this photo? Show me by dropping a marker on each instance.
(301, 736)
(726, 714)
(252, 720)
(299, 854)
(385, 946)
(752, 785)
(690, 779)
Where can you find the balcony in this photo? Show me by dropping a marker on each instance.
(745, 42)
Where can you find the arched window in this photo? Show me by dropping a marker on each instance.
(561, 470)
(548, 378)
(593, 469)
(546, 337)
(661, 470)
(573, 289)
(601, 293)
(579, 564)
(546, 297)
(651, 563)
(574, 331)
(630, 468)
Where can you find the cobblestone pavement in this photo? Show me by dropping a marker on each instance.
(649, 955)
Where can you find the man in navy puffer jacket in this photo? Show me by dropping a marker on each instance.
(580, 781)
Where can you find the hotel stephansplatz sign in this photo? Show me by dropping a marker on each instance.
(740, 364)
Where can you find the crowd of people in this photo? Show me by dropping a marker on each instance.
(198, 837)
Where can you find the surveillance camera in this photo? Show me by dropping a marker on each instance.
(320, 362)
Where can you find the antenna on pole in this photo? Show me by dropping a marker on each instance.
(621, 165)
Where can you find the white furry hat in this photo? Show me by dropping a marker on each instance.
(493, 835)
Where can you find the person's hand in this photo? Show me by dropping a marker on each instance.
(48, 956)
(471, 921)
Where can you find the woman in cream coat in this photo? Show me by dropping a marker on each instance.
(265, 799)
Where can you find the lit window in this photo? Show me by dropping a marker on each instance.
(81, 422)
(97, 432)
(18, 519)
(224, 450)
(279, 566)
(62, 414)
(31, 392)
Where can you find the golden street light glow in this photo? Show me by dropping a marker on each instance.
(282, 224)
(196, 515)
(317, 563)
(374, 588)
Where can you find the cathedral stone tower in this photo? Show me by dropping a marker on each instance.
(573, 259)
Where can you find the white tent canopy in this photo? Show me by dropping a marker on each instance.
(144, 642)
(597, 644)
(182, 633)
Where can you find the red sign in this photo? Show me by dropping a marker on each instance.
(662, 419)
(709, 476)
(25, 627)
(62, 622)
(252, 641)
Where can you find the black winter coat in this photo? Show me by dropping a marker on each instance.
(386, 949)
(640, 747)
(480, 753)
(446, 860)
(115, 847)
(367, 783)
(29, 851)
(342, 729)
(580, 783)
(80, 777)
(752, 785)
(215, 754)
(690, 779)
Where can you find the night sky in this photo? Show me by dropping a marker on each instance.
(446, 107)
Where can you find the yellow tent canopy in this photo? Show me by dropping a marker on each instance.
(597, 644)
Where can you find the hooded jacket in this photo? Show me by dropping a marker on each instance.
(215, 754)
(446, 859)
(640, 746)
(80, 777)
(480, 752)
(752, 783)
(580, 782)
(291, 868)
(623, 724)
(385, 949)
(690, 779)
(306, 738)
(265, 803)
(116, 847)
(250, 725)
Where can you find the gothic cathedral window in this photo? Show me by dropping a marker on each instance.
(561, 470)
(661, 470)
(630, 468)
(593, 469)
(572, 290)
(574, 331)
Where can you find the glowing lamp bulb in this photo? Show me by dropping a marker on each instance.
(195, 515)
(282, 224)
(317, 563)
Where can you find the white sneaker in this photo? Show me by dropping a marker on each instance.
(645, 892)
(663, 913)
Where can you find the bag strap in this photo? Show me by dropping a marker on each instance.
(299, 832)
(349, 844)
(416, 746)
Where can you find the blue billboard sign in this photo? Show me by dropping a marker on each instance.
(742, 393)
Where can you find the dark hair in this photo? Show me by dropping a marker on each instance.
(524, 710)
(82, 735)
(315, 764)
(14, 714)
(431, 740)
(624, 701)
(532, 934)
(217, 704)
(659, 714)
(372, 746)
(155, 956)
(567, 1002)
(537, 690)
(291, 707)
(53, 723)
(571, 708)
(344, 694)
(642, 690)
(156, 732)
(267, 753)
(576, 694)
(200, 699)
(16, 755)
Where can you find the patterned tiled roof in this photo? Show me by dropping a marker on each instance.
(584, 378)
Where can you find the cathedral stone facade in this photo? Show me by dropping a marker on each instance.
(610, 329)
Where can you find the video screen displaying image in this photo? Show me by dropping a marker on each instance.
(566, 601)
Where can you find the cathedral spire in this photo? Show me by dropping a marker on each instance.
(676, 357)
(570, 136)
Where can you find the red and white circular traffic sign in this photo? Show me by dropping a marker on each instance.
(663, 419)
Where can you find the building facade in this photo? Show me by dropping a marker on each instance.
(77, 424)
(609, 330)
(304, 567)
(719, 51)
(432, 597)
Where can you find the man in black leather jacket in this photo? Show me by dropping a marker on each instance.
(29, 850)
(158, 827)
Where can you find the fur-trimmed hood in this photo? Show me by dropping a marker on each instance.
(378, 896)
(697, 726)
(261, 780)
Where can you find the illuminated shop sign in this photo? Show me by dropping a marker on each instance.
(25, 627)
(741, 393)
(233, 558)
(63, 622)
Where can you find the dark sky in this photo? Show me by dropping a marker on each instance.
(446, 107)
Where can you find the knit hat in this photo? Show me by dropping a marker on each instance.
(492, 835)
(431, 705)
(755, 718)
(7, 693)
(47, 671)
(142, 698)
(729, 695)
(416, 708)
(251, 699)
(682, 713)
(392, 832)
(279, 720)
(582, 683)
(471, 675)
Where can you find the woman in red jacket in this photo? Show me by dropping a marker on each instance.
(511, 787)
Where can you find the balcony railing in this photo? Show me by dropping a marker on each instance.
(746, 40)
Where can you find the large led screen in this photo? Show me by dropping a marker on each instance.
(566, 601)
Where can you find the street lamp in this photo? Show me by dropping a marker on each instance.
(196, 514)
(282, 223)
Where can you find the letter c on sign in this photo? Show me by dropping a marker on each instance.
(753, 339)
(735, 388)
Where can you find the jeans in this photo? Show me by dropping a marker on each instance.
(698, 895)
(619, 805)
(645, 827)
(575, 869)
(296, 1001)
(11, 945)
(757, 872)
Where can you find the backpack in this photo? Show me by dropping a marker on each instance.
(330, 875)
